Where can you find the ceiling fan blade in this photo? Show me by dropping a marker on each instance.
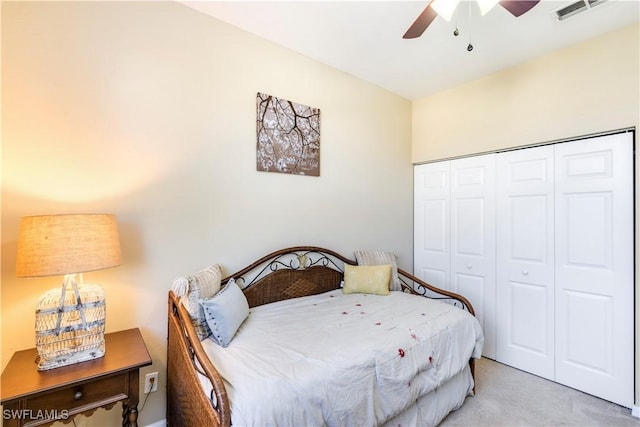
(518, 7)
(421, 23)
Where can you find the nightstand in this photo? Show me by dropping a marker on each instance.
(32, 398)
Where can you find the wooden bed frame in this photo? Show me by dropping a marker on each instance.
(287, 273)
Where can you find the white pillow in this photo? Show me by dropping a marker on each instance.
(225, 312)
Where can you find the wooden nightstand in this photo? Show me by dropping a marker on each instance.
(33, 398)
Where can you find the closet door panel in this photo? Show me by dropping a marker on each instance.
(529, 230)
(525, 256)
(432, 245)
(594, 266)
(473, 239)
(528, 304)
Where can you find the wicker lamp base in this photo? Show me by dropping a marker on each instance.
(70, 325)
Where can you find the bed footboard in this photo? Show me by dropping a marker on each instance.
(412, 284)
(187, 403)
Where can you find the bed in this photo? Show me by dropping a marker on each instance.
(314, 350)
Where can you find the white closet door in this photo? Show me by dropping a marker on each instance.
(473, 239)
(432, 248)
(525, 256)
(594, 266)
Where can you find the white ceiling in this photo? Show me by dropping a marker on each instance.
(364, 38)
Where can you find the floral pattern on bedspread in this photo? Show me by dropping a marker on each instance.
(336, 359)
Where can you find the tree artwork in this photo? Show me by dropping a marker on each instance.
(288, 136)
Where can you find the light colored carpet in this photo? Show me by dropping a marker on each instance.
(509, 397)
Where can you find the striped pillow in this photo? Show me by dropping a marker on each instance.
(191, 289)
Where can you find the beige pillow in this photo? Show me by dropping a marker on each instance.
(191, 289)
(367, 279)
(381, 258)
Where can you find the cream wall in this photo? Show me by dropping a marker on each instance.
(147, 110)
(587, 88)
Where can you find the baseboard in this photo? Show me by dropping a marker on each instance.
(161, 423)
(635, 411)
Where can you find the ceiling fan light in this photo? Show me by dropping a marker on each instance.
(445, 8)
(486, 5)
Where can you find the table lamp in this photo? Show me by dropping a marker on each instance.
(70, 320)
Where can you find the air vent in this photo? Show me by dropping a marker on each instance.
(576, 7)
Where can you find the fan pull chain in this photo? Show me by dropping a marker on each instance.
(456, 32)
(469, 46)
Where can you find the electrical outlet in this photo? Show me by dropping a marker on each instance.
(151, 382)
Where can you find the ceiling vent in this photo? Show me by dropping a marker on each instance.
(576, 8)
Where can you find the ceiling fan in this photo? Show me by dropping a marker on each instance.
(445, 8)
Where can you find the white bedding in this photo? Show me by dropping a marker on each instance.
(336, 359)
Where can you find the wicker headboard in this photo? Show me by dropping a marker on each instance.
(291, 273)
(307, 270)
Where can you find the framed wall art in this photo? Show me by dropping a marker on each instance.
(288, 136)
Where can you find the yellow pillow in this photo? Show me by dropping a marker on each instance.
(367, 279)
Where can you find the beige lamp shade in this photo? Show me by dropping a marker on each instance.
(54, 245)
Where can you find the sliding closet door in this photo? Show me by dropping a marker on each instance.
(550, 271)
(525, 259)
(594, 266)
(454, 233)
(432, 247)
(473, 238)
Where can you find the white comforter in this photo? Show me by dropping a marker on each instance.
(336, 359)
